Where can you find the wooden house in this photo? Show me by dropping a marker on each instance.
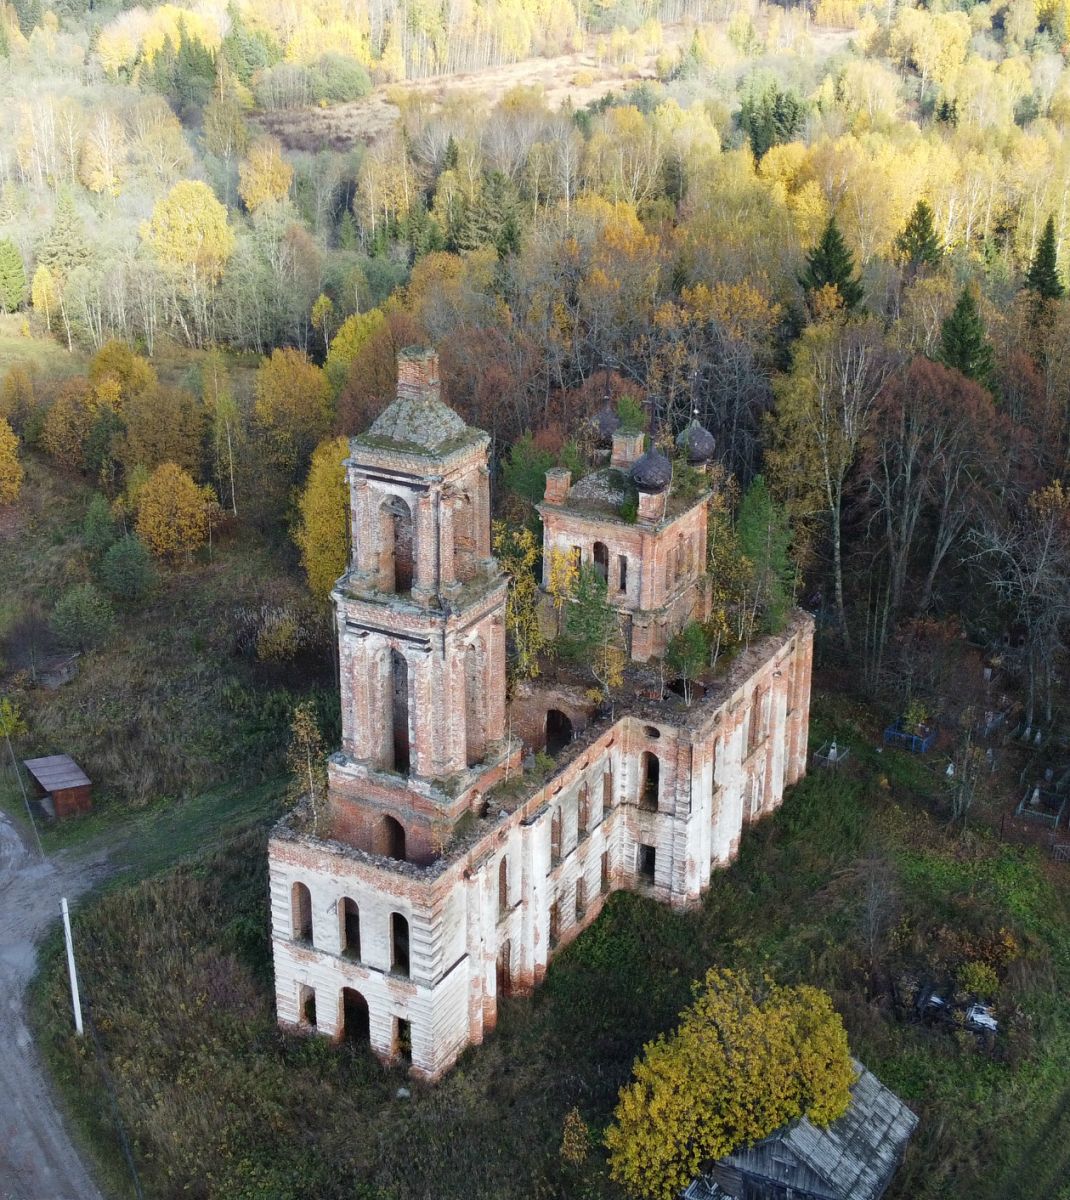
(855, 1158)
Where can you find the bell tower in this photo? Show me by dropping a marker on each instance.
(421, 629)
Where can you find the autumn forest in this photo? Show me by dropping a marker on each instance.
(836, 233)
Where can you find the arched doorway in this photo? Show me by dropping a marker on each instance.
(397, 555)
(356, 1025)
(393, 839)
(558, 730)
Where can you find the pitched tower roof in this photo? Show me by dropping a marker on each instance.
(417, 421)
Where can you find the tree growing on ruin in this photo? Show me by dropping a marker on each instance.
(518, 553)
(686, 657)
(747, 1057)
(765, 539)
(563, 576)
(591, 630)
(322, 532)
(306, 760)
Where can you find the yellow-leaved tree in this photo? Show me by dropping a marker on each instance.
(322, 533)
(747, 1057)
(173, 512)
(293, 407)
(10, 467)
(265, 175)
(518, 552)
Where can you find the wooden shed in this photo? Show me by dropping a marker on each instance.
(62, 781)
(855, 1158)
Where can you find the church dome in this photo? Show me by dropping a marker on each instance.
(605, 424)
(652, 472)
(697, 443)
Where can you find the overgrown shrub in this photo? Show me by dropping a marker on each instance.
(82, 617)
(126, 570)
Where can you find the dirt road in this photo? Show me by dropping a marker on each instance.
(37, 1159)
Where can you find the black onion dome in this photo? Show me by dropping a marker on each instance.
(605, 424)
(652, 472)
(697, 443)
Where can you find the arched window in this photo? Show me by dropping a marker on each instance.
(584, 808)
(601, 560)
(399, 710)
(393, 839)
(555, 837)
(349, 927)
(622, 572)
(355, 1021)
(555, 923)
(607, 789)
(503, 885)
(581, 898)
(475, 699)
(399, 944)
(396, 548)
(649, 782)
(301, 913)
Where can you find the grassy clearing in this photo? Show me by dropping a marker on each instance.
(175, 701)
(222, 1105)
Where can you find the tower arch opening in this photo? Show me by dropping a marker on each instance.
(649, 782)
(397, 554)
(475, 704)
(392, 838)
(399, 706)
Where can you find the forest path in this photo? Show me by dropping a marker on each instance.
(38, 1160)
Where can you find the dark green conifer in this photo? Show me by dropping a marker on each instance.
(1043, 276)
(64, 247)
(918, 246)
(12, 277)
(963, 344)
(831, 262)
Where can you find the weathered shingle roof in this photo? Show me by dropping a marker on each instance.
(56, 772)
(855, 1157)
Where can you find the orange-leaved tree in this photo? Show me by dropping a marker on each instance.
(173, 512)
(322, 533)
(747, 1057)
(10, 467)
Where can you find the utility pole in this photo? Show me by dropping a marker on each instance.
(76, 1002)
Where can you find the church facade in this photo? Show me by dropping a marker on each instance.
(442, 874)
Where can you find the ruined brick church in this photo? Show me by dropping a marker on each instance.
(441, 874)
